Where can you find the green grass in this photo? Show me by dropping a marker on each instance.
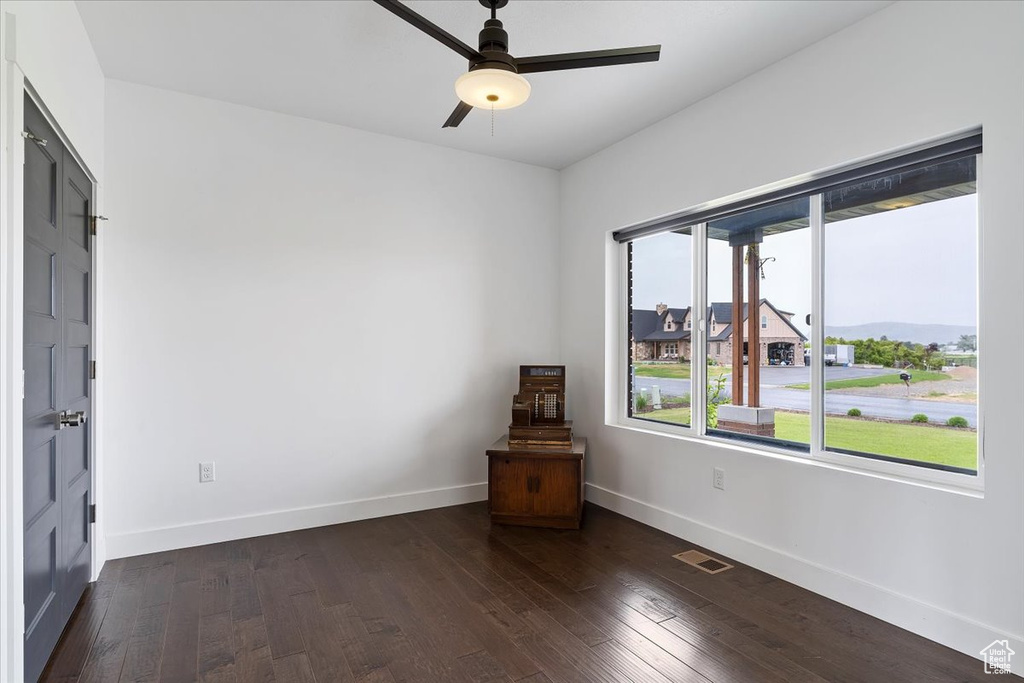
(668, 370)
(893, 378)
(673, 370)
(680, 416)
(957, 448)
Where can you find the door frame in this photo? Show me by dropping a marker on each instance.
(14, 84)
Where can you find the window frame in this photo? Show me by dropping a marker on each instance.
(816, 454)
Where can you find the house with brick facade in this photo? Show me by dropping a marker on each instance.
(665, 334)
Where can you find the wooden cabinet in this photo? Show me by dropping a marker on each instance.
(536, 487)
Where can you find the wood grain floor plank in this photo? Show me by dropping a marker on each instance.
(444, 595)
(702, 652)
(493, 572)
(253, 660)
(355, 641)
(69, 657)
(687, 609)
(823, 650)
(293, 669)
(181, 642)
(245, 598)
(279, 617)
(105, 584)
(369, 613)
(322, 573)
(188, 565)
(146, 645)
(106, 657)
(482, 667)
(216, 647)
(430, 629)
(321, 637)
(594, 664)
(160, 580)
(215, 587)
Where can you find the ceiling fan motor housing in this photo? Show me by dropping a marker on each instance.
(494, 48)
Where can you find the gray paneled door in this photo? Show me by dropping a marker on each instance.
(57, 477)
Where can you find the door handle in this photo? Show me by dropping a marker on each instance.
(65, 419)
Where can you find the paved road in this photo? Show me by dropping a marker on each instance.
(775, 396)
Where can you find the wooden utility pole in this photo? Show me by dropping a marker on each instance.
(737, 325)
(754, 324)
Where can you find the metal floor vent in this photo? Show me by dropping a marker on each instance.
(696, 558)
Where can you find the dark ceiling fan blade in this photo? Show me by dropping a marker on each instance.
(431, 29)
(584, 60)
(461, 110)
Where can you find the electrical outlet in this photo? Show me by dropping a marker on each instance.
(719, 478)
(207, 472)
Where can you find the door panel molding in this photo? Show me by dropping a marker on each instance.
(57, 539)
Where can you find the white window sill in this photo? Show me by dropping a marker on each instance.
(938, 480)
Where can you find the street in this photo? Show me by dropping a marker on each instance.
(775, 395)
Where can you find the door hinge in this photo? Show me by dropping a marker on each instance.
(92, 513)
(92, 369)
(92, 223)
(29, 136)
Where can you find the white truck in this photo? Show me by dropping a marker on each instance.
(839, 354)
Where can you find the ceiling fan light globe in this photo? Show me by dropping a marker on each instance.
(492, 89)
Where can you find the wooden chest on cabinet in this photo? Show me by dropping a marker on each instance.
(536, 486)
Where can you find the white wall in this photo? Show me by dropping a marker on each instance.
(46, 44)
(331, 315)
(911, 72)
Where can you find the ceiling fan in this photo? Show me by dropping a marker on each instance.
(494, 79)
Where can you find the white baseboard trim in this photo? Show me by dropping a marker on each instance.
(934, 623)
(218, 530)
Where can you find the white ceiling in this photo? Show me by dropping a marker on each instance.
(356, 64)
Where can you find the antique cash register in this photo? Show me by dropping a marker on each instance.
(535, 473)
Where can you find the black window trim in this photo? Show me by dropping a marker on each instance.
(950, 149)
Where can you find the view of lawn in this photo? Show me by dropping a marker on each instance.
(669, 370)
(673, 370)
(957, 448)
(892, 378)
(679, 416)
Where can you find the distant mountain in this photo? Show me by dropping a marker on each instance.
(913, 332)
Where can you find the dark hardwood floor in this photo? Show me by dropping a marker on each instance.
(444, 596)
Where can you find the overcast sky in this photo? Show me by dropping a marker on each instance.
(912, 265)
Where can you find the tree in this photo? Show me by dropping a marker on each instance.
(968, 342)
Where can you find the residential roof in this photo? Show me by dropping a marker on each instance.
(679, 313)
(644, 323)
(660, 334)
(649, 326)
(721, 311)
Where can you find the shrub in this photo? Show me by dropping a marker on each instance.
(853, 412)
(919, 417)
(641, 402)
(716, 390)
(957, 421)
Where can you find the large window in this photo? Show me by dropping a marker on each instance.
(900, 284)
(758, 270)
(659, 331)
(837, 320)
